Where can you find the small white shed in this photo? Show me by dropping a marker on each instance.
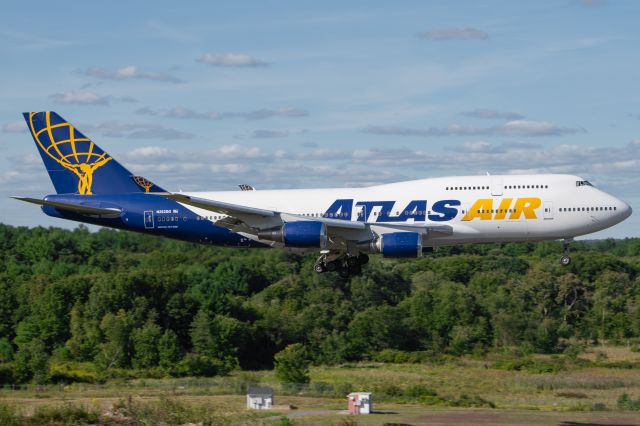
(259, 398)
(360, 403)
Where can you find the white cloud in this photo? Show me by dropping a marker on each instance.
(227, 165)
(511, 128)
(231, 60)
(534, 128)
(235, 151)
(117, 129)
(479, 146)
(234, 168)
(452, 33)
(269, 134)
(130, 72)
(17, 126)
(492, 114)
(149, 152)
(80, 98)
(186, 113)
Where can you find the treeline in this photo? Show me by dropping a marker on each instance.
(76, 305)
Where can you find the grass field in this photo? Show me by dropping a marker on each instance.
(458, 391)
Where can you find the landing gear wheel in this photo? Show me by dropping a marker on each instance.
(319, 268)
(332, 266)
(565, 260)
(363, 258)
(355, 269)
(351, 261)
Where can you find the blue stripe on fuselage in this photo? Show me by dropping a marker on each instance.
(163, 217)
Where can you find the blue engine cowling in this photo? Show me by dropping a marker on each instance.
(400, 244)
(303, 234)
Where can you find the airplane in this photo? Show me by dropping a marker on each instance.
(345, 225)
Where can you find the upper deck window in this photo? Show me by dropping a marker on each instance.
(583, 183)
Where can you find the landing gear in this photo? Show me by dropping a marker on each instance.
(346, 265)
(565, 260)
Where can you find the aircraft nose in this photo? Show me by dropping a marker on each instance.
(624, 210)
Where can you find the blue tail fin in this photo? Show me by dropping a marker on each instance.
(75, 164)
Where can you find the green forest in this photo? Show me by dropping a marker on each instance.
(89, 306)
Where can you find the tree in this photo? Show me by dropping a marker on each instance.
(84, 340)
(198, 365)
(168, 350)
(7, 306)
(292, 365)
(6, 350)
(145, 341)
(32, 362)
(609, 314)
(180, 311)
(375, 329)
(120, 299)
(201, 337)
(116, 350)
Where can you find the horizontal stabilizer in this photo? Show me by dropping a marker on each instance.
(75, 208)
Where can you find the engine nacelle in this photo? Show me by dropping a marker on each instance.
(303, 233)
(398, 244)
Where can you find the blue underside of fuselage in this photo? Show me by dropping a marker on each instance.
(153, 215)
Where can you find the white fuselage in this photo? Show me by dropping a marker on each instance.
(477, 208)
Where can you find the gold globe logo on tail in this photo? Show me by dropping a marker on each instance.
(143, 183)
(75, 154)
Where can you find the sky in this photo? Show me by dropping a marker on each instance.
(280, 94)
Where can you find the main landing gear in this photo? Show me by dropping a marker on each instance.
(565, 260)
(346, 265)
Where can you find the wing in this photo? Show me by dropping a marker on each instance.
(75, 208)
(218, 206)
(254, 217)
(251, 220)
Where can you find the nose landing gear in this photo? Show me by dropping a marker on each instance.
(565, 260)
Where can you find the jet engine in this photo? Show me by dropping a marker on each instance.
(304, 233)
(398, 244)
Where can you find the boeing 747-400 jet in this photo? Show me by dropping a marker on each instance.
(401, 220)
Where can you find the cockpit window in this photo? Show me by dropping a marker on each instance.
(583, 183)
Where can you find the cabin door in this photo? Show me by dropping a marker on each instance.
(548, 210)
(496, 185)
(148, 219)
(361, 213)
